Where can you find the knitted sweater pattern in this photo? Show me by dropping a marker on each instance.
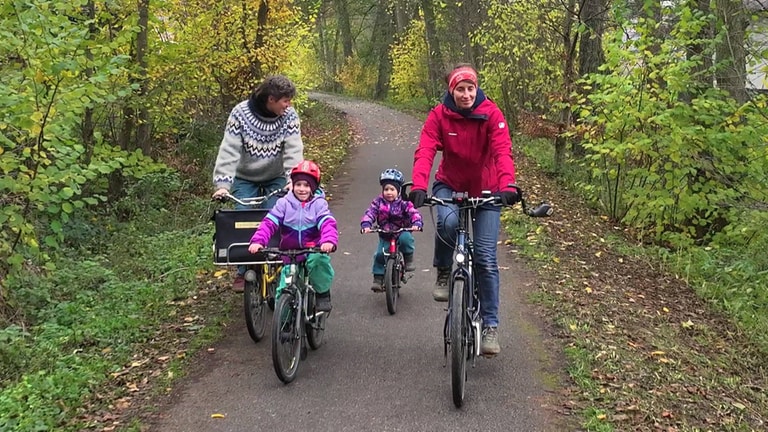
(257, 149)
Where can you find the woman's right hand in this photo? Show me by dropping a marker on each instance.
(254, 248)
(220, 193)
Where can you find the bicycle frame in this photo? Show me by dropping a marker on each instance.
(464, 270)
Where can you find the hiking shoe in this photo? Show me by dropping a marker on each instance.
(238, 285)
(409, 267)
(378, 283)
(441, 284)
(323, 302)
(490, 343)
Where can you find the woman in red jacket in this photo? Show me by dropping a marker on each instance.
(472, 134)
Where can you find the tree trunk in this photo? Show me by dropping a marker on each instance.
(88, 126)
(143, 132)
(382, 38)
(569, 47)
(262, 17)
(730, 55)
(342, 16)
(434, 54)
(591, 55)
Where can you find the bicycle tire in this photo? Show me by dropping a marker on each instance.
(391, 281)
(273, 271)
(254, 311)
(316, 326)
(458, 336)
(286, 337)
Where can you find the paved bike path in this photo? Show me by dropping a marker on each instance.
(374, 372)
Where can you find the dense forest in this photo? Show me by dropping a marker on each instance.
(654, 111)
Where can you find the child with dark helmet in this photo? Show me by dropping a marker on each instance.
(390, 212)
(304, 208)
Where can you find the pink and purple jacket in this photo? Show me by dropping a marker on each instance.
(301, 224)
(391, 215)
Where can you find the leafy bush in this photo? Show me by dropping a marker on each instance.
(409, 65)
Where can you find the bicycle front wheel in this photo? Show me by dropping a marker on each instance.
(391, 285)
(286, 336)
(458, 337)
(255, 310)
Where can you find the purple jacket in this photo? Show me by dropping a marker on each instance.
(301, 224)
(391, 216)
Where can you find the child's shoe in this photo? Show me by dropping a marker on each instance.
(323, 302)
(409, 267)
(378, 283)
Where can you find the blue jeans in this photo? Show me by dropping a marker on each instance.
(405, 243)
(246, 189)
(485, 234)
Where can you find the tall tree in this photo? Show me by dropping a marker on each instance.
(730, 53)
(381, 39)
(342, 17)
(434, 54)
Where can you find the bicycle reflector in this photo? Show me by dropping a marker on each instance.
(460, 258)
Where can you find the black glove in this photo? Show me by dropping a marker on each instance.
(509, 198)
(417, 197)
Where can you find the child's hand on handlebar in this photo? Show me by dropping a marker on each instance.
(255, 247)
(327, 247)
(365, 230)
(415, 228)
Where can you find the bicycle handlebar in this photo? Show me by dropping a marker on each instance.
(383, 231)
(462, 199)
(291, 253)
(252, 201)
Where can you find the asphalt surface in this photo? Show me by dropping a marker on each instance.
(375, 371)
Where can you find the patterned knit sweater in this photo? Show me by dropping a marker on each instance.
(256, 148)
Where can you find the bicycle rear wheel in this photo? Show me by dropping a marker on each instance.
(392, 285)
(255, 310)
(316, 326)
(286, 336)
(458, 330)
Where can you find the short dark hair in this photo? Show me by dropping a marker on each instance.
(277, 86)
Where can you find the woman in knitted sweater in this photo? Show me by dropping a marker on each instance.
(261, 144)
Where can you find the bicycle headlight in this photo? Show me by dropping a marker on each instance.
(460, 257)
(250, 276)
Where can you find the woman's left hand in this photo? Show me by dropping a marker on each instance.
(327, 247)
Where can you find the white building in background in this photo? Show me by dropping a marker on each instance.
(757, 47)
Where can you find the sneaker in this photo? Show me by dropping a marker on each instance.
(441, 284)
(238, 285)
(490, 343)
(409, 267)
(378, 283)
(323, 302)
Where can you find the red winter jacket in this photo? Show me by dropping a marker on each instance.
(477, 150)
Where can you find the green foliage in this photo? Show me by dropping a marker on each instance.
(48, 173)
(409, 65)
(522, 64)
(356, 79)
(677, 165)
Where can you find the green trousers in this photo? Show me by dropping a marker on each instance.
(320, 273)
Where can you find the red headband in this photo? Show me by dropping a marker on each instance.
(458, 75)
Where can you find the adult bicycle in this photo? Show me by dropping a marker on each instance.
(394, 266)
(462, 331)
(295, 323)
(234, 229)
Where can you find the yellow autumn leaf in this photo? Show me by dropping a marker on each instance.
(217, 415)
(588, 290)
(658, 353)
(572, 327)
(556, 259)
(220, 273)
(598, 253)
(601, 416)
